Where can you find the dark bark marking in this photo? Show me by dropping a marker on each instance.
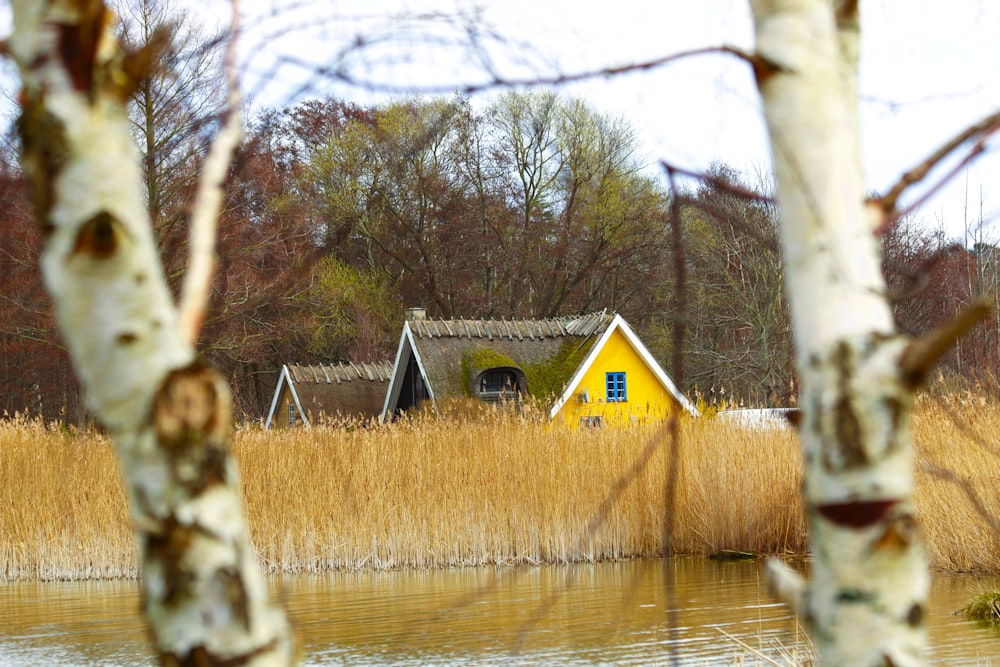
(847, 11)
(764, 68)
(236, 595)
(847, 428)
(854, 596)
(44, 154)
(127, 338)
(98, 237)
(847, 451)
(856, 513)
(899, 533)
(79, 42)
(794, 417)
(915, 617)
(191, 404)
(192, 417)
(895, 409)
(167, 547)
(199, 656)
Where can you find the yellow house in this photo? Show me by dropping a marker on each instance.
(591, 369)
(618, 383)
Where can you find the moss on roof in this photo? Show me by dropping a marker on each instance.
(548, 378)
(480, 359)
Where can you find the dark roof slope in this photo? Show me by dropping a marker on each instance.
(547, 351)
(344, 389)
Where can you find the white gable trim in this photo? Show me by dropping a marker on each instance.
(407, 347)
(283, 378)
(619, 323)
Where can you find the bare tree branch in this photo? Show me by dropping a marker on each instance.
(723, 184)
(983, 129)
(340, 74)
(208, 201)
(921, 354)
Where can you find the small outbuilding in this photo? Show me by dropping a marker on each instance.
(590, 370)
(306, 394)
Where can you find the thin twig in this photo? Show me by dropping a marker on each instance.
(974, 152)
(974, 498)
(718, 183)
(674, 456)
(197, 287)
(983, 129)
(501, 82)
(921, 354)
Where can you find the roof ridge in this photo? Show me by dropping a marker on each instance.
(340, 371)
(519, 329)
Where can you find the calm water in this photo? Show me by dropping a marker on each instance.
(610, 614)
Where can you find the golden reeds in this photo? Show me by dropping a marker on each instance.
(62, 505)
(958, 482)
(480, 486)
(501, 488)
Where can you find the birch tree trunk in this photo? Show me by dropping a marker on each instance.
(205, 600)
(865, 600)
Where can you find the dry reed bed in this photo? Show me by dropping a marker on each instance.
(62, 506)
(504, 489)
(958, 482)
(489, 488)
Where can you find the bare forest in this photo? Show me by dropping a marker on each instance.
(337, 216)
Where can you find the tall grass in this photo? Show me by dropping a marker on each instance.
(480, 486)
(499, 488)
(63, 513)
(958, 481)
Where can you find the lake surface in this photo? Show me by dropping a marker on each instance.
(602, 614)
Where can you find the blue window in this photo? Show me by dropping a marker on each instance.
(616, 387)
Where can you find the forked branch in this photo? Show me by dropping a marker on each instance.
(981, 130)
(921, 355)
(759, 64)
(197, 286)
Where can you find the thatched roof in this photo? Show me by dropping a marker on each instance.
(451, 353)
(340, 373)
(331, 390)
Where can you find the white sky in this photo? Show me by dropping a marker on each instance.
(929, 69)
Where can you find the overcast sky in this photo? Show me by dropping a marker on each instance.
(929, 69)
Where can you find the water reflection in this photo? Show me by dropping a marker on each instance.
(609, 613)
(587, 614)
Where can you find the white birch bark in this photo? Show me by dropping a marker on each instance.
(865, 599)
(205, 600)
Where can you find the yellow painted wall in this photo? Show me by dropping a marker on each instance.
(646, 398)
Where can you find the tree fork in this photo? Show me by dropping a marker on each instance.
(169, 415)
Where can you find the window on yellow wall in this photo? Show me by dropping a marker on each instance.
(616, 387)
